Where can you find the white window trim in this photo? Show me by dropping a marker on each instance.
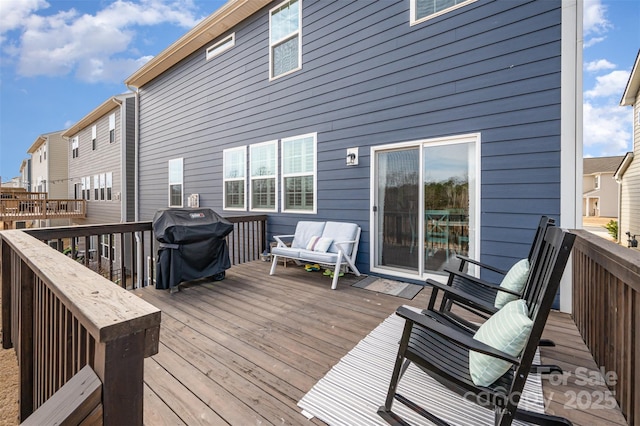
(289, 36)
(225, 179)
(181, 160)
(315, 175)
(222, 46)
(414, 10)
(274, 177)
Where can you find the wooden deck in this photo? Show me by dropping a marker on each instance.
(244, 350)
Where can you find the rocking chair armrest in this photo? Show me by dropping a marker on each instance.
(466, 259)
(454, 335)
(278, 239)
(482, 282)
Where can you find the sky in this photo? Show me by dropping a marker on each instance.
(60, 59)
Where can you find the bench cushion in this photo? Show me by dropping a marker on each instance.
(304, 231)
(339, 232)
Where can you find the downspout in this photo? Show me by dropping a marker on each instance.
(123, 198)
(139, 253)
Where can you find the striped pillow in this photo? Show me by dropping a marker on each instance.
(514, 281)
(508, 331)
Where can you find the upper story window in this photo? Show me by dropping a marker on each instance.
(421, 10)
(112, 128)
(234, 166)
(74, 147)
(596, 181)
(285, 38)
(225, 44)
(94, 133)
(264, 170)
(176, 182)
(299, 174)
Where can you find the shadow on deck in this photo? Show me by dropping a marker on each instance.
(246, 349)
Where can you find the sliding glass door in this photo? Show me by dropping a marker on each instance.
(425, 205)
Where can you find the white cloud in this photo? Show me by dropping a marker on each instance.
(612, 84)
(14, 12)
(594, 22)
(96, 47)
(607, 129)
(599, 65)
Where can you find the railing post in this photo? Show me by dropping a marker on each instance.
(120, 365)
(25, 341)
(5, 276)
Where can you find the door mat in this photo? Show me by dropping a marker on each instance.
(390, 287)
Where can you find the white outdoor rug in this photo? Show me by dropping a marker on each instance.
(351, 392)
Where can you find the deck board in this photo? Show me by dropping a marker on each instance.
(244, 350)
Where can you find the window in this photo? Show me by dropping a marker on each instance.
(96, 187)
(225, 44)
(421, 10)
(77, 190)
(106, 242)
(109, 185)
(44, 151)
(88, 187)
(112, 128)
(93, 137)
(102, 186)
(263, 169)
(299, 174)
(596, 181)
(74, 147)
(83, 188)
(285, 38)
(234, 167)
(175, 182)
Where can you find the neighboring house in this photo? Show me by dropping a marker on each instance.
(25, 174)
(102, 165)
(12, 183)
(469, 109)
(49, 170)
(601, 194)
(628, 173)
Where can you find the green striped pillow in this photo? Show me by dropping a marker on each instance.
(514, 280)
(507, 330)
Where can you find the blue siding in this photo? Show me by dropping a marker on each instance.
(369, 78)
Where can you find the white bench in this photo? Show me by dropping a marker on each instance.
(325, 243)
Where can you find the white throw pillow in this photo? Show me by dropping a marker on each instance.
(319, 244)
(514, 281)
(507, 330)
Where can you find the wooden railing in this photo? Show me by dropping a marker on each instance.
(61, 317)
(41, 208)
(606, 310)
(133, 246)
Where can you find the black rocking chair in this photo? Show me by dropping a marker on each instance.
(442, 349)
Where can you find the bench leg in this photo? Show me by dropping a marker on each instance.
(273, 265)
(336, 274)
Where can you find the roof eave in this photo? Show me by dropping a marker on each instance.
(633, 85)
(624, 165)
(36, 144)
(93, 116)
(228, 16)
